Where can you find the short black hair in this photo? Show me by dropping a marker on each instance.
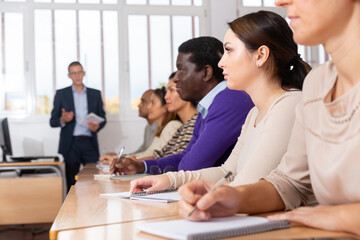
(204, 51)
(172, 75)
(76, 63)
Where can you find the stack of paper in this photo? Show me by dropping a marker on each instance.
(91, 117)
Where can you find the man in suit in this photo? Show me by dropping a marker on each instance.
(78, 144)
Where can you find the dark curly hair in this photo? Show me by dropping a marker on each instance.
(204, 51)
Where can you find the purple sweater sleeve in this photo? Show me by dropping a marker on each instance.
(213, 136)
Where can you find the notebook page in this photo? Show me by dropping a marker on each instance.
(172, 196)
(214, 228)
(128, 177)
(118, 177)
(169, 196)
(116, 195)
(103, 176)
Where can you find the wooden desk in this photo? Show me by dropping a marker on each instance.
(128, 230)
(88, 170)
(30, 199)
(84, 208)
(84, 215)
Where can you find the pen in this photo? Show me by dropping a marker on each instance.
(221, 181)
(118, 157)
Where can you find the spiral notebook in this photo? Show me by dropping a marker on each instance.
(166, 196)
(213, 229)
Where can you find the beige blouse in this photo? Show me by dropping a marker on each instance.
(324, 148)
(258, 149)
(159, 142)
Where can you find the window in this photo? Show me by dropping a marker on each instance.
(12, 76)
(64, 36)
(312, 55)
(166, 2)
(155, 38)
(124, 47)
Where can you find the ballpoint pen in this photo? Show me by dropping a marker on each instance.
(218, 184)
(118, 157)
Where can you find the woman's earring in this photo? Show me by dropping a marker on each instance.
(257, 66)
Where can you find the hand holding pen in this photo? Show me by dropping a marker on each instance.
(114, 162)
(126, 165)
(213, 188)
(210, 201)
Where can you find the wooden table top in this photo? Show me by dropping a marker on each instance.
(128, 230)
(83, 206)
(17, 164)
(88, 170)
(84, 215)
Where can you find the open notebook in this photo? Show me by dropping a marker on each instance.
(118, 177)
(213, 229)
(158, 196)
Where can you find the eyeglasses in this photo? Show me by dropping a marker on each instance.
(156, 170)
(76, 73)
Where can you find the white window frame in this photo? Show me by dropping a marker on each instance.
(312, 54)
(20, 7)
(200, 11)
(123, 10)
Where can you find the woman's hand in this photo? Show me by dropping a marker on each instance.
(334, 218)
(221, 202)
(150, 183)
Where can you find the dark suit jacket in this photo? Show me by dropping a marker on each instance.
(64, 99)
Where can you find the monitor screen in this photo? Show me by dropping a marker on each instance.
(5, 141)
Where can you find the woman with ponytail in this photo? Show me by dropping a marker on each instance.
(262, 59)
(322, 159)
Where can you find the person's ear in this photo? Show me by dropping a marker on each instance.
(262, 55)
(208, 72)
(69, 75)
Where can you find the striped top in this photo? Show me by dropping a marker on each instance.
(179, 141)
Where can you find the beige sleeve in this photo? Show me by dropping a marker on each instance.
(212, 174)
(291, 178)
(159, 142)
(149, 151)
(167, 133)
(271, 145)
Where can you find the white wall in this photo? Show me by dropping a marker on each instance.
(117, 132)
(112, 137)
(221, 12)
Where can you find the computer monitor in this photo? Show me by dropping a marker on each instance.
(5, 141)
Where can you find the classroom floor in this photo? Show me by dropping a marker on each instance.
(24, 232)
